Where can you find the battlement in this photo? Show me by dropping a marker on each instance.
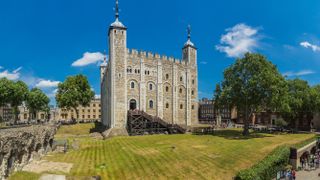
(134, 53)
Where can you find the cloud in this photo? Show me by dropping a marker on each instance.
(238, 40)
(88, 58)
(299, 73)
(306, 44)
(47, 83)
(204, 62)
(1, 67)
(52, 94)
(14, 75)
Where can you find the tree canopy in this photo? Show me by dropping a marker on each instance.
(37, 101)
(253, 84)
(74, 91)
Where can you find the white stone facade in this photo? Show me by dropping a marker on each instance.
(161, 86)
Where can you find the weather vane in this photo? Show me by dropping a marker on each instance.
(117, 9)
(189, 31)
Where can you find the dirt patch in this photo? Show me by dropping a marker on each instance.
(47, 166)
(200, 146)
(146, 151)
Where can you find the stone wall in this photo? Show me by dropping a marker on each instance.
(19, 146)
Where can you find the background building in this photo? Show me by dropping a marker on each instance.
(208, 114)
(6, 113)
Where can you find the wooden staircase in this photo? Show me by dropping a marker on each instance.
(142, 123)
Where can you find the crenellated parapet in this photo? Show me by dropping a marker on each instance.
(150, 56)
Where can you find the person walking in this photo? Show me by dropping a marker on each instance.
(293, 173)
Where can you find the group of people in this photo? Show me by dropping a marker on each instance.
(311, 161)
(291, 174)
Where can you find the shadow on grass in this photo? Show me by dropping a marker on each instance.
(98, 128)
(234, 134)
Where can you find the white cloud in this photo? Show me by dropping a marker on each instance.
(204, 62)
(47, 83)
(306, 44)
(14, 75)
(299, 73)
(88, 58)
(238, 40)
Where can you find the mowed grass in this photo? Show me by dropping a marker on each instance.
(75, 130)
(218, 156)
(24, 176)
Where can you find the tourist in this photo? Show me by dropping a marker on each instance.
(288, 175)
(302, 163)
(293, 173)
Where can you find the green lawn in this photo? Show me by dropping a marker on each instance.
(187, 156)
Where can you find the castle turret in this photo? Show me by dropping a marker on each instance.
(118, 65)
(103, 67)
(189, 51)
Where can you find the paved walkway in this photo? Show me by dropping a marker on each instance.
(52, 177)
(308, 175)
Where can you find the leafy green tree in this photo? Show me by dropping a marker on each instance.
(5, 91)
(280, 122)
(74, 91)
(19, 94)
(303, 100)
(253, 84)
(37, 101)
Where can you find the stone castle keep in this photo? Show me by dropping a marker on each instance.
(158, 85)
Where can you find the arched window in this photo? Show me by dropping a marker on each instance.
(135, 71)
(180, 90)
(130, 70)
(192, 92)
(181, 106)
(192, 81)
(150, 87)
(180, 78)
(132, 85)
(167, 76)
(138, 71)
(151, 104)
(167, 89)
(167, 105)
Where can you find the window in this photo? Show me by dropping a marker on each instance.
(83, 110)
(94, 105)
(94, 116)
(150, 87)
(192, 106)
(130, 70)
(181, 106)
(167, 89)
(94, 110)
(181, 78)
(167, 105)
(151, 104)
(138, 71)
(180, 90)
(89, 116)
(88, 110)
(167, 76)
(192, 92)
(135, 71)
(132, 85)
(82, 116)
(192, 81)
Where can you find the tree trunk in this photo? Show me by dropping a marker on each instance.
(15, 114)
(77, 114)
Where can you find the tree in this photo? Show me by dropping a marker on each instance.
(253, 84)
(303, 100)
(5, 91)
(19, 94)
(74, 91)
(217, 98)
(37, 101)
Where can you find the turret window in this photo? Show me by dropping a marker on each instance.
(181, 78)
(150, 87)
(192, 81)
(132, 85)
(181, 106)
(192, 92)
(167, 105)
(167, 76)
(167, 89)
(180, 90)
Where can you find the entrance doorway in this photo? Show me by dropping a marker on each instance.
(133, 104)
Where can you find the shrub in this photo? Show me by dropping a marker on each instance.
(268, 167)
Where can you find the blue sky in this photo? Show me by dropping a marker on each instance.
(41, 39)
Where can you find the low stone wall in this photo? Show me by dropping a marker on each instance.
(19, 146)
